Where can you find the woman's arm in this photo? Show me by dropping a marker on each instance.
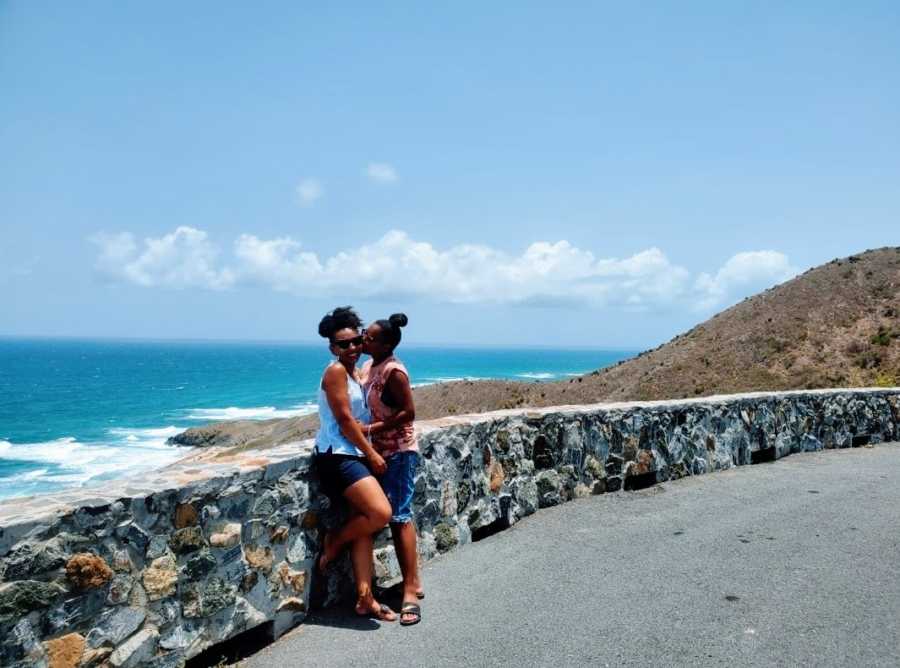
(398, 385)
(335, 385)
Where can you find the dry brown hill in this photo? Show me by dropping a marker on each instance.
(837, 325)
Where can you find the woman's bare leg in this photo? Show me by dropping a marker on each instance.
(363, 571)
(404, 535)
(372, 512)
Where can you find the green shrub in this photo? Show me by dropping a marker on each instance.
(776, 345)
(882, 337)
(868, 360)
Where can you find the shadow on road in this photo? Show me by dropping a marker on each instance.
(342, 618)
(345, 617)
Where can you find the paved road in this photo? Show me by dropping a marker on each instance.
(791, 563)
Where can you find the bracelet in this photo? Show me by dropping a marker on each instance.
(369, 432)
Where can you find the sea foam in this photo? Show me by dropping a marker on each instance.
(253, 413)
(447, 379)
(67, 462)
(145, 437)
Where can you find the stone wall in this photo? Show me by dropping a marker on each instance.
(151, 571)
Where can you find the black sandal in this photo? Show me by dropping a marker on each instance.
(410, 609)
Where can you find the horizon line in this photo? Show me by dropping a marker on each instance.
(309, 342)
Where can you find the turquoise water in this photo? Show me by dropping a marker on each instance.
(76, 412)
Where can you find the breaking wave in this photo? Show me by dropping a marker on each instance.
(31, 468)
(254, 413)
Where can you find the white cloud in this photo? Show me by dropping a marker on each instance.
(399, 265)
(396, 265)
(742, 275)
(309, 190)
(278, 263)
(181, 259)
(381, 172)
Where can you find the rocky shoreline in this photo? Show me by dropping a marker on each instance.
(432, 402)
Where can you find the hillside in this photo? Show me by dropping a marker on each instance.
(837, 325)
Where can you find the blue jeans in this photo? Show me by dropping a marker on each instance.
(398, 484)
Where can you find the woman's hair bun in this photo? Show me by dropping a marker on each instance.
(398, 320)
(340, 318)
(326, 326)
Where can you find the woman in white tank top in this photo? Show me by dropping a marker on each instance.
(345, 459)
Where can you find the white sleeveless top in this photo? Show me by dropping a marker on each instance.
(329, 437)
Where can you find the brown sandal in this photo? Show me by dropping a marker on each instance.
(382, 613)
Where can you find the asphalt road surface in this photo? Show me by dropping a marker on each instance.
(790, 563)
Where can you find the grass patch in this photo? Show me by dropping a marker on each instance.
(883, 336)
(885, 379)
(870, 359)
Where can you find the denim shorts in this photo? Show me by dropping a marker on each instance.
(398, 484)
(338, 472)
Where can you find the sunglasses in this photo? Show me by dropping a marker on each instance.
(343, 344)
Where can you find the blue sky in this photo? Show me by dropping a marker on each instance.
(581, 174)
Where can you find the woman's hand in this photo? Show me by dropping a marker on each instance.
(369, 428)
(376, 461)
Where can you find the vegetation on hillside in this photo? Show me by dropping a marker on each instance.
(837, 325)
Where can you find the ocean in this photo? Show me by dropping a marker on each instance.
(78, 412)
